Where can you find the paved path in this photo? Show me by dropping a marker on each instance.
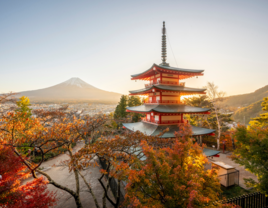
(243, 173)
(66, 178)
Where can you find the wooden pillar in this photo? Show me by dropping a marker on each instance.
(200, 140)
(197, 140)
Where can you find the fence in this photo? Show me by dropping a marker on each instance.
(113, 182)
(229, 179)
(255, 200)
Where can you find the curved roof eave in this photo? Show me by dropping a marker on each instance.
(170, 68)
(169, 88)
(154, 130)
(167, 109)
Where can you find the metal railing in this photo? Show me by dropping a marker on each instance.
(254, 200)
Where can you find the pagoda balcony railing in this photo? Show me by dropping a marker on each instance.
(164, 122)
(164, 102)
(164, 82)
(150, 121)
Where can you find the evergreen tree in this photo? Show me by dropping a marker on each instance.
(134, 101)
(263, 119)
(120, 111)
(252, 153)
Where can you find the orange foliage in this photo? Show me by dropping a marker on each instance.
(12, 193)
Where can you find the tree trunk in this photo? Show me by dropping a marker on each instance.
(233, 144)
(219, 128)
(76, 196)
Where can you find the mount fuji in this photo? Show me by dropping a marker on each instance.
(73, 89)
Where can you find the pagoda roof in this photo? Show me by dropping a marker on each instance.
(168, 109)
(154, 130)
(169, 88)
(186, 73)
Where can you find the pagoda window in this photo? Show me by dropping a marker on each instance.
(157, 98)
(148, 117)
(158, 80)
(150, 99)
(156, 118)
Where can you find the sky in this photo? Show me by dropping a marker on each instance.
(44, 43)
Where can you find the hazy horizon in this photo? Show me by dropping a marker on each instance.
(45, 43)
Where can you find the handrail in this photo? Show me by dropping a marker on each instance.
(165, 82)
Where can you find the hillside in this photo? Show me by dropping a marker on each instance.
(246, 99)
(71, 90)
(244, 114)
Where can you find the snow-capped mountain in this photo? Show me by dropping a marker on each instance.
(78, 82)
(73, 89)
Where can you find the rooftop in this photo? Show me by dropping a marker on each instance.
(154, 130)
(168, 109)
(169, 88)
(185, 73)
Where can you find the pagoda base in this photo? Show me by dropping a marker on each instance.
(154, 130)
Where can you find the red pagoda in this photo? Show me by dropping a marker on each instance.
(163, 106)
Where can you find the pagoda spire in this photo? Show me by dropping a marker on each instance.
(164, 46)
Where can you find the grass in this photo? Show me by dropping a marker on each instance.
(234, 191)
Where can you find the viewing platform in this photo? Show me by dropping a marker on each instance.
(182, 84)
(174, 122)
(166, 102)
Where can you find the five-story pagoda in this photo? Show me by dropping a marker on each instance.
(163, 106)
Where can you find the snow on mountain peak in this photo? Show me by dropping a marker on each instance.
(75, 81)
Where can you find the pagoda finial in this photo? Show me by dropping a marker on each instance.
(164, 46)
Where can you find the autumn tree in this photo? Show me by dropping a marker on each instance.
(216, 97)
(173, 177)
(216, 119)
(23, 106)
(229, 140)
(15, 195)
(7, 98)
(141, 161)
(117, 154)
(24, 133)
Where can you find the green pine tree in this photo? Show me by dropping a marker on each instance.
(263, 119)
(120, 110)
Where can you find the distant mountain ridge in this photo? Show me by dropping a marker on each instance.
(73, 89)
(246, 99)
